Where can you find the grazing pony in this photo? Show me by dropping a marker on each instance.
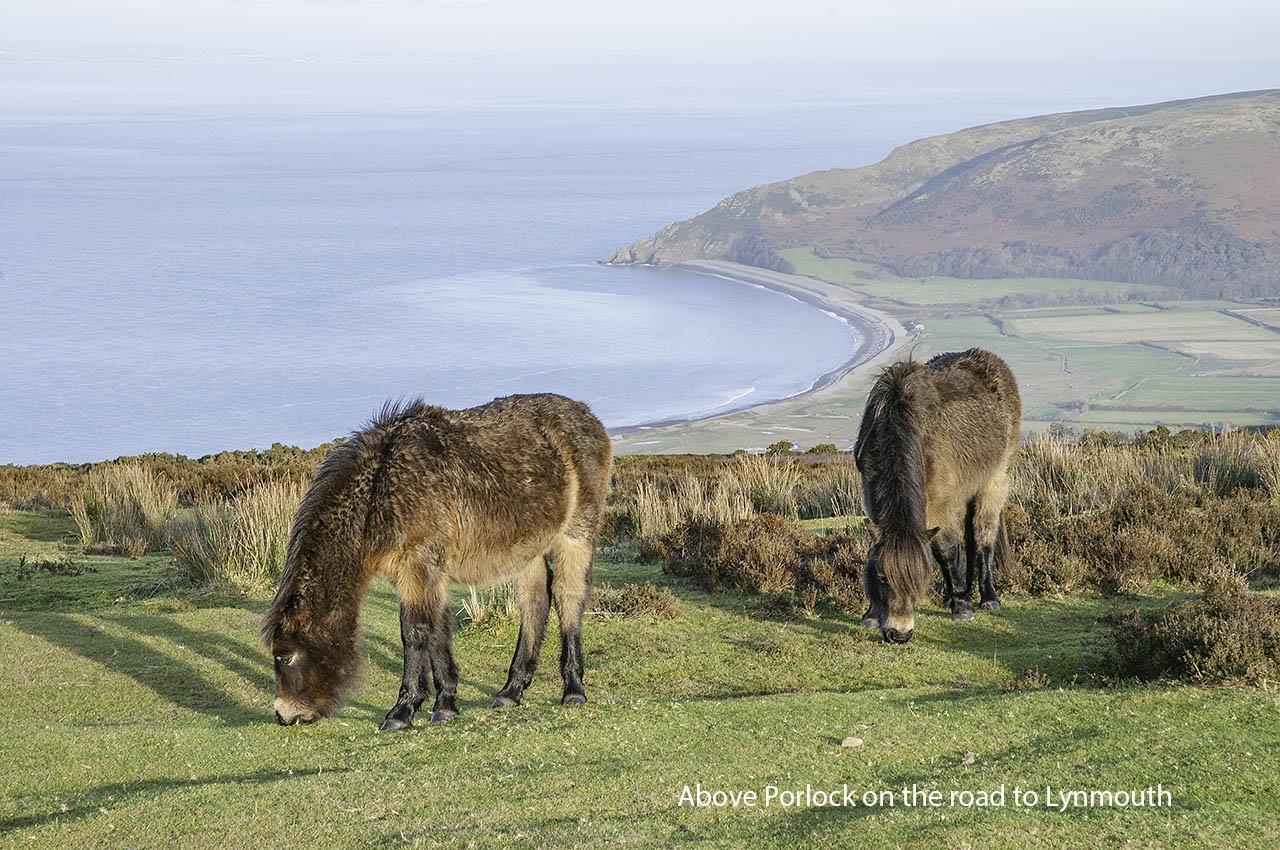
(431, 498)
(934, 450)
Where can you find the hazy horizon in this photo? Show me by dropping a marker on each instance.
(369, 53)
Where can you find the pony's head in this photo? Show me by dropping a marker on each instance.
(901, 568)
(315, 663)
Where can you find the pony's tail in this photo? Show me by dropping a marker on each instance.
(1002, 556)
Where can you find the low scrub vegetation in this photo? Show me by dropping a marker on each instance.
(773, 556)
(635, 599)
(1096, 511)
(1228, 634)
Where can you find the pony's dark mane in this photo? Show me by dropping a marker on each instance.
(333, 482)
(890, 456)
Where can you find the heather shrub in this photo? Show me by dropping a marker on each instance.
(1228, 634)
(769, 555)
(1149, 534)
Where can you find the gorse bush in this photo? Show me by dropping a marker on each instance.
(123, 508)
(238, 543)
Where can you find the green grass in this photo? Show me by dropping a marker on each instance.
(878, 283)
(145, 722)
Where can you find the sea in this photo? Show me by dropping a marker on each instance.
(199, 279)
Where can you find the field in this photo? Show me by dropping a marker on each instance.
(1087, 353)
(135, 712)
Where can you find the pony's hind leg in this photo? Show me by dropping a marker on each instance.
(990, 543)
(533, 595)
(570, 587)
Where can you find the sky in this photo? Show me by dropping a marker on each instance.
(438, 49)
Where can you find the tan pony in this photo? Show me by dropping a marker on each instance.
(934, 450)
(432, 498)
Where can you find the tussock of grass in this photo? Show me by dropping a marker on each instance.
(651, 504)
(635, 599)
(123, 509)
(489, 608)
(239, 543)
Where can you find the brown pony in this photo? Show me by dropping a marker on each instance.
(431, 498)
(934, 450)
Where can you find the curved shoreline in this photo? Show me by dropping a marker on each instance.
(879, 334)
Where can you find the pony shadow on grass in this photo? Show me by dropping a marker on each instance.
(91, 801)
(169, 678)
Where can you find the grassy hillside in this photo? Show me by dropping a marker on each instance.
(1181, 193)
(139, 717)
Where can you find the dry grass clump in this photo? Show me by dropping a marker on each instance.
(770, 555)
(1228, 634)
(239, 542)
(636, 600)
(489, 608)
(653, 507)
(648, 506)
(123, 509)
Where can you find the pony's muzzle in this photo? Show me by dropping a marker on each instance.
(288, 713)
(895, 636)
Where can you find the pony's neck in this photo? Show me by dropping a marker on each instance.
(321, 590)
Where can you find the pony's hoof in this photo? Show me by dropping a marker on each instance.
(394, 724)
(443, 715)
(573, 699)
(991, 605)
(504, 701)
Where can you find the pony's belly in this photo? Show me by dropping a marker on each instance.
(491, 565)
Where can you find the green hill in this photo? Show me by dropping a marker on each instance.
(1185, 193)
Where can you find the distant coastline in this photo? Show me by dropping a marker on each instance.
(879, 335)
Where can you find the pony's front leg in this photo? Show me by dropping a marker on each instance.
(427, 637)
(416, 681)
(949, 550)
(875, 605)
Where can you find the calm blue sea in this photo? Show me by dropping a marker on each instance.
(199, 280)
